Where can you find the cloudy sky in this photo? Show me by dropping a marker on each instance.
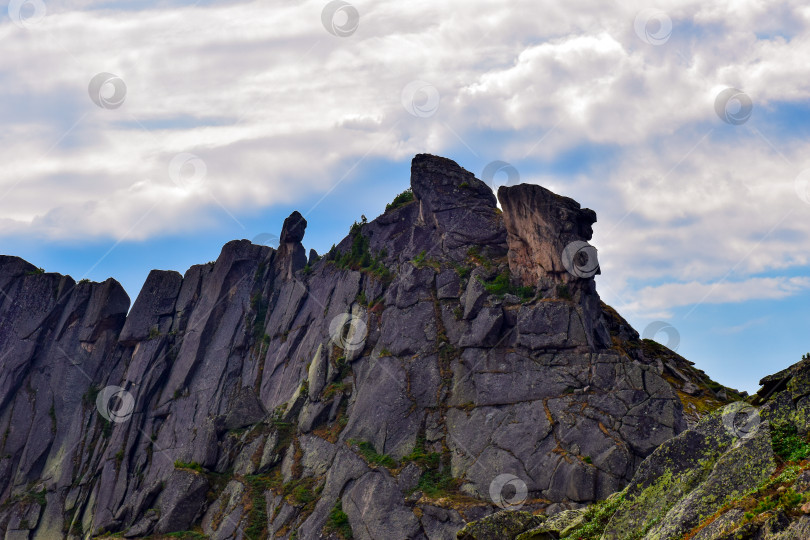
(141, 135)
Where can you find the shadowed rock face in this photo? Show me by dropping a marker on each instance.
(253, 381)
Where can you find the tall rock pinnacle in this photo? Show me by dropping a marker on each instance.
(291, 253)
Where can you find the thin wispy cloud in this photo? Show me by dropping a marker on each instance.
(736, 329)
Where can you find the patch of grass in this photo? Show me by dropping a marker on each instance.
(359, 257)
(421, 456)
(344, 369)
(787, 443)
(106, 427)
(191, 465)
(501, 285)
(436, 480)
(436, 483)
(596, 518)
(187, 535)
(76, 529)
(462, 271)
(154, 333)
(260, 268)
(37, 497)
(338, 522)
(563, 291)
(35, 272)
(299, 492)
(400, 200)
(259, 305)
(285, 431)
(422, 260)
(475, 257)
(257, 514)
(303, 494)
(786, 501)
(333, 389)
(331, 431)
(370, 454)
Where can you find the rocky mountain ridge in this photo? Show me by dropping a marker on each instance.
(384, 390)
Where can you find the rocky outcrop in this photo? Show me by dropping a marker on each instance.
(459, 209)
(56, 338)
(291, 254)
(387, 388)
(547, 236)
(740, 473)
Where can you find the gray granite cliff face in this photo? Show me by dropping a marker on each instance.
(741, 472)
(389, 382)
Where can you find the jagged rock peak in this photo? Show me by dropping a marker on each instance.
(540, 226)
(292, 256)
(293, 229)
(460, 208)
(440, 184)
